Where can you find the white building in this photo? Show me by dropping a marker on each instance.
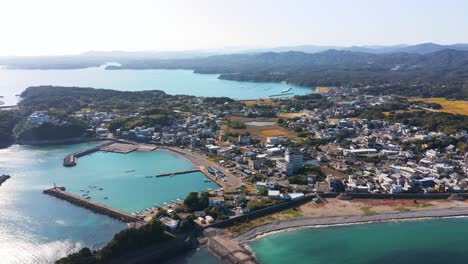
(297, 160)
(38, 118)
(273, 140)
(268, 184)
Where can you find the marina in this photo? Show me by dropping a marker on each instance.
(121, 178)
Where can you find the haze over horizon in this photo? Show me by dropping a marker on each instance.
(53, 27)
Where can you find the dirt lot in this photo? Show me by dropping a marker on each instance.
(334, 207)
(262, 131)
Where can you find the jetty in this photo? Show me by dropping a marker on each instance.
(72, 159)
(176, 173)
(228, 250)
(59, 192)
(278, 95)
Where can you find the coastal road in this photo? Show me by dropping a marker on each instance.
(231, 183)
(350, 219)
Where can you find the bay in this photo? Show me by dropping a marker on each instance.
(13, 82)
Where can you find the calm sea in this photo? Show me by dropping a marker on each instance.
(37, 228)
(13, 82)
(429, 242)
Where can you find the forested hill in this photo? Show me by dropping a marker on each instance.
(438, 74)
(76, 98)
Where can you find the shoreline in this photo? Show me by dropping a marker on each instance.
(320, 222)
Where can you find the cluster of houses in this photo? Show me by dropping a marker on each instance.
(365, 156)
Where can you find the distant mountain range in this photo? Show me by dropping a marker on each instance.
(419, 48)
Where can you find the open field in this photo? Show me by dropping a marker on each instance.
(326, 170)
(448, 106)
(291, 115)
(260, 102)
(322, 89)
(262, 131)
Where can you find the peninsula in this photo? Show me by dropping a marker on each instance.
(3, 178)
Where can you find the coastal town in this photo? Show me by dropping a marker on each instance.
(311, 154)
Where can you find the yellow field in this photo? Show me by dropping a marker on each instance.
(259, 102)
(322, 89)
(291, 115)
(448, 106)
(274, 133)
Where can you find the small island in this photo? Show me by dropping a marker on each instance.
(3, 178)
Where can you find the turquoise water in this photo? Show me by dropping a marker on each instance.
(428, 242)
(37, 228)
(13, 82)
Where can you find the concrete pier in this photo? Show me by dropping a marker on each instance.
(72, 159)
(176, 173)
(230, 251)
(91, 205)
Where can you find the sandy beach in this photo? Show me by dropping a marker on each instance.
(305, 222)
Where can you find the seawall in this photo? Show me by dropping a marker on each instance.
(72, 159)
(227, 250)
(93, 206)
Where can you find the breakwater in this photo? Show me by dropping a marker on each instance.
(278, 95)
(72, 159)
(175, 173)
(91, 205)
(230, 251)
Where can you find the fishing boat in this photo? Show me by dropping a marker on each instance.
(130, 171)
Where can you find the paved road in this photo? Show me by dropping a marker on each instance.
(232, 182)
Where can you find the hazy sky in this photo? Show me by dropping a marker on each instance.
(40, 27)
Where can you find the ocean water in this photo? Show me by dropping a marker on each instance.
(37, 228)
(410, 242)
(13, 82)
